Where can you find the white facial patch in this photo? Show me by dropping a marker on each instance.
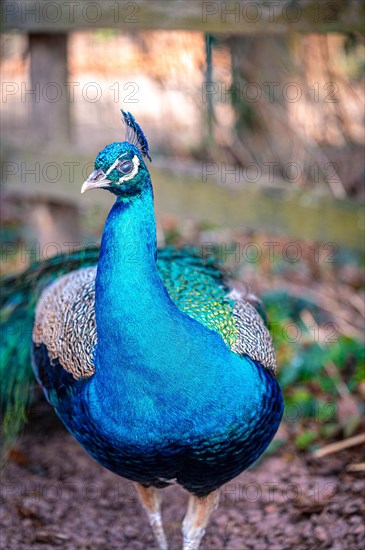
(115, 163)
(130, 176)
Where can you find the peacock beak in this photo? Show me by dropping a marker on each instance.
(96, 179)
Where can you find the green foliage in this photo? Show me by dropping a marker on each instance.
(306, 438)
(247, 116)
(311, 390)
(350, 43)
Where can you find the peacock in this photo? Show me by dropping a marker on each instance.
(162, 372)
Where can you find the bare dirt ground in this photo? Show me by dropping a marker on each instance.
(55, 496)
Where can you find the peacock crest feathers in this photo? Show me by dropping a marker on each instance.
(135, 134)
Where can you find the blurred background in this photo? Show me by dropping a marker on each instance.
(257, 145)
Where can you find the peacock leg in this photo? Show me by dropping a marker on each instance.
(196, 519)
(151, 501)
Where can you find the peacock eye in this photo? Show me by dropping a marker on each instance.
(125, 166)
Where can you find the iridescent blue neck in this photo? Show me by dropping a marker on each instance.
(130, 299)
(128, 247)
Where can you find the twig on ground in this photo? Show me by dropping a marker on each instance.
(339, 446)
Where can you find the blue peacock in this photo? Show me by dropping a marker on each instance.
(162, 372)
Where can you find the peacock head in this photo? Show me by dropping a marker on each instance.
(120, 167)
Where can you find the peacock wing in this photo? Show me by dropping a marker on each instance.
(202, 289)
(65, 322)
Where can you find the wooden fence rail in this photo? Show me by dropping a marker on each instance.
(217, 16)
(299, 214)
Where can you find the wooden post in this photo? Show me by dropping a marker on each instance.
(53, 222)
(50, 113)
(261, 66)
(56, 225)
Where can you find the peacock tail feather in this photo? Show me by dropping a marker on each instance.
(18, 299)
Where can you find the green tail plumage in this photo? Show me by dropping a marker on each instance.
(19, 296)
